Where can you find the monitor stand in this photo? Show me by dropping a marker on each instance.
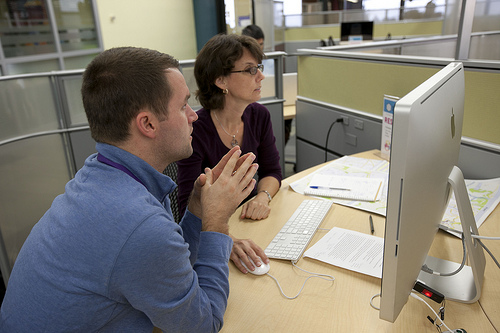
(464, 286)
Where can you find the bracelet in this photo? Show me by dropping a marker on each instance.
(268, 195)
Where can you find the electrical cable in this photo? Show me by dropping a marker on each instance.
(338, 120)
(489, 252)
(445, 228)
(478, 238)
(426, 268)
(326, 277)
(437, 316)
(485, 237)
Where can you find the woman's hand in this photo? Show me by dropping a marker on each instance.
(256, 209)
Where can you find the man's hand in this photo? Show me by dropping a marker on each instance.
(244, 248)
(218, 192)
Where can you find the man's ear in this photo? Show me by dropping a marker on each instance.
(146, 123)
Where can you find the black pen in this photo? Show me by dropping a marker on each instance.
(372, 229)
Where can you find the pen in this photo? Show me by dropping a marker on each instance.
(329, 188)
(372, 229)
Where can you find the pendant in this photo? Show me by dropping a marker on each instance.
(234, 142)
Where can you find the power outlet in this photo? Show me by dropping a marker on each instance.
(345, 120)
(359, 124)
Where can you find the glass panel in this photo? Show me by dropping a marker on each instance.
(72, 86)
(26, 106)
(188, 72)
(78, 62)
(75, 22)
(268, 84)
(25, 28)
(441, 49)
(33, 67)
(486, 16)
(32, 173)
(485, 47)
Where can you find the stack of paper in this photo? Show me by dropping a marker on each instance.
(351, 250)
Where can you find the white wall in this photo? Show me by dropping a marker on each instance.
(164, 25)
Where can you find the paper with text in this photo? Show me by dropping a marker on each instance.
(350, 250)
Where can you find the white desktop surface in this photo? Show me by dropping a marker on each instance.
(256, 305)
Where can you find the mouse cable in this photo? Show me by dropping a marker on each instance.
(326, 277)
(430, 307)
(371, 301)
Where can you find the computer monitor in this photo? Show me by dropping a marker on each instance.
(357, 30)
(426, 136)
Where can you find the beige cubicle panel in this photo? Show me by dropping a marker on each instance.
(361, 84)
(333, 84)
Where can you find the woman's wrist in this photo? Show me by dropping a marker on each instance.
(268, 195)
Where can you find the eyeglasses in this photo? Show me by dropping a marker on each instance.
(251, 70)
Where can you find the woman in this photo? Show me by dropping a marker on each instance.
(228, 72)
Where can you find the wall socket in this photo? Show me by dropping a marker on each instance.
(359, 124)
(345, 120)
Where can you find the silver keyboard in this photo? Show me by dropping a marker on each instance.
(295, 235)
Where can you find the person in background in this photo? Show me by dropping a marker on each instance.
(256, 32)
(107, 256)
(228, 72)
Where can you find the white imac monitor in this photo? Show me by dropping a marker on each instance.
(427, 130)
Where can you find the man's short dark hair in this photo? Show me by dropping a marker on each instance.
(217, 59)
(254, 31)
(119, 83)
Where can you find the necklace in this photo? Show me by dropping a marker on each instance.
(234, 142)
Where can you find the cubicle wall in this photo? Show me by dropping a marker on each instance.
(352, 85)
(45, 139)
(310, 36)
(397, 29)
(42, 141)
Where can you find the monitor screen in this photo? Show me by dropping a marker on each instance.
(362, 30)
(426, 137)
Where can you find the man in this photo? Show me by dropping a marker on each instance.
(256, 32)
(108, 256)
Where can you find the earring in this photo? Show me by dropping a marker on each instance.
(225, 91)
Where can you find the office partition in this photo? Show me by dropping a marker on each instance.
(334, 84)
(38, 152)
(45, 139)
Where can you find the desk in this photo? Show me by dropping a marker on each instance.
(256, 305)
(289, 112)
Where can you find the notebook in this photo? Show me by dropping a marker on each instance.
(344, 187)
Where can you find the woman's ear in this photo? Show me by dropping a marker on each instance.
(221, 82)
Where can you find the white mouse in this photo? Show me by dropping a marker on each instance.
(259, 270)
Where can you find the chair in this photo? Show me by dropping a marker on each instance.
(171, 171)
